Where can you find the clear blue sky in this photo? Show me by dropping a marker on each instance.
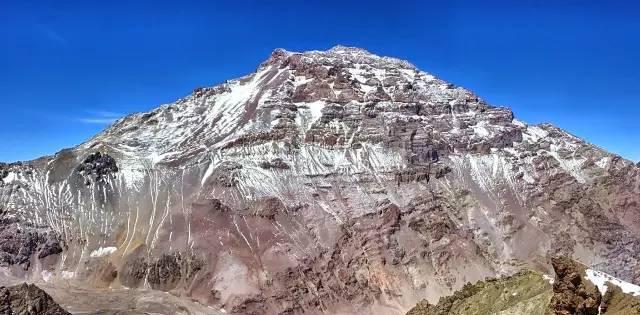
(68, 67)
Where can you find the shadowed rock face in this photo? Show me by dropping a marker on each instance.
(165, 273)
(28, 299)
(18, 245)
(97, 167)
(134, 269)
(327, 181)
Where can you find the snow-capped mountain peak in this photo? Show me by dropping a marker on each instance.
(319, 169)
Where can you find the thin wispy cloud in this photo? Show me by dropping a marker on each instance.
(100, 117)
(50, 34)
(99, 121)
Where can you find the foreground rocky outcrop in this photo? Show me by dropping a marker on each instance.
(524, 293)
(532, 293)
(573, 293)
(28, 299)
(333, 181)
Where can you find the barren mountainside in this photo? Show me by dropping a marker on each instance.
(326, 182)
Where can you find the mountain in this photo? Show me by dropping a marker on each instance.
(333, 181)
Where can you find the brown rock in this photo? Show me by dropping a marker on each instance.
(572, 293)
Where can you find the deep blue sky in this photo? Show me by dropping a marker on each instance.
(66, 67)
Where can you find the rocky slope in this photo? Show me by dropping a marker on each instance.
(325, 182)
(523, 293)
(573, 291)
(27, 299)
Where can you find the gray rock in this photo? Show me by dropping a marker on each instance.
(28, 299)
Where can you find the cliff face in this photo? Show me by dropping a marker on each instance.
(328, 181)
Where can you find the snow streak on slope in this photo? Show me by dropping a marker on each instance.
(600, 279)
(267, 193)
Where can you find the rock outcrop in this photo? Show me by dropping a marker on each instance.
(527, 292)
(28, 299)
(573, 293)
(616, 302)
(524, 293)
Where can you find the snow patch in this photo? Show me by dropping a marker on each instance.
(519, 123)
(602, 163)
(528, 178)
(10, 178)
(534, 134)
(367, 88)
(600, 279)
(316, 109)
(481, 131)
(572, 166)
(67, 274)
(300, 80)
(103, 251)
(46, 275)
(157, 158)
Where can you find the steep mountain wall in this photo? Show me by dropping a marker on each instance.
(327, 181)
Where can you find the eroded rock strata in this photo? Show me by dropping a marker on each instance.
(325, 182)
